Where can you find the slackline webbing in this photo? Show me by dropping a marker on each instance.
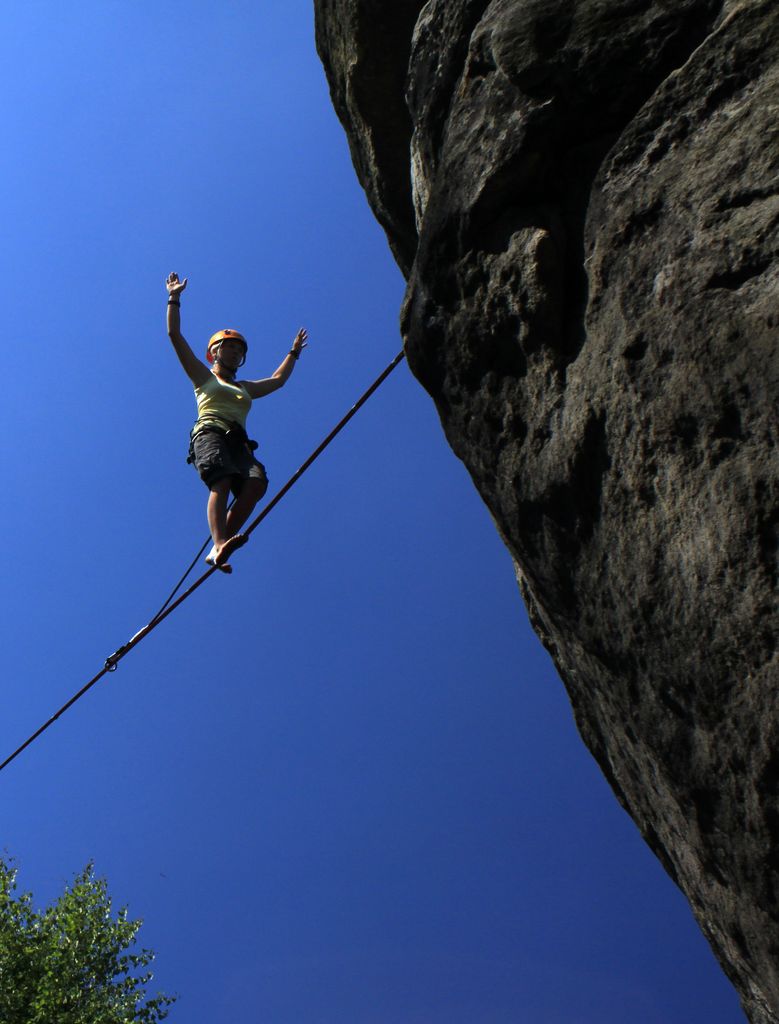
(112, 661)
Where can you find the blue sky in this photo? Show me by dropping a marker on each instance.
(342, 785)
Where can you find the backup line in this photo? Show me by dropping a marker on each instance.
(112, 661)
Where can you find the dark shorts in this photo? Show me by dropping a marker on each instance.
(215, 457)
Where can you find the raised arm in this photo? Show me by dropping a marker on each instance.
(260, 388)
(197, 372)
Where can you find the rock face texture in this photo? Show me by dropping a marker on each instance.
(584, 198)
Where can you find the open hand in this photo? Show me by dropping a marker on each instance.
(174, 286)
(300, 341)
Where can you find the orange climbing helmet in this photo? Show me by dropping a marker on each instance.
(228, 334)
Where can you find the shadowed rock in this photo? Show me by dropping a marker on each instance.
(584, 198)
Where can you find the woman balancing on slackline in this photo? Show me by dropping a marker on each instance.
(219, 447)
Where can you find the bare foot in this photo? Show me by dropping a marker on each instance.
(211, 560)
(224, 551)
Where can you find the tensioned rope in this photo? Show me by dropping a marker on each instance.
(112, 661)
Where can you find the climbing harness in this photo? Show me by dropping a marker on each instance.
(112, 661)
(233, 433)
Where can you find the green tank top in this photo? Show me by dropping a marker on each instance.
(220, 403)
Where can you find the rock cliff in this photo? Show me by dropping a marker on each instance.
(584, 197)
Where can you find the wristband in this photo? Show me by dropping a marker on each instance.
(173, 302)
(292, 352)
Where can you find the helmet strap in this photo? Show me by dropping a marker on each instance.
(216, 349)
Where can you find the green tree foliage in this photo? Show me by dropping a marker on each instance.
(70, 964)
